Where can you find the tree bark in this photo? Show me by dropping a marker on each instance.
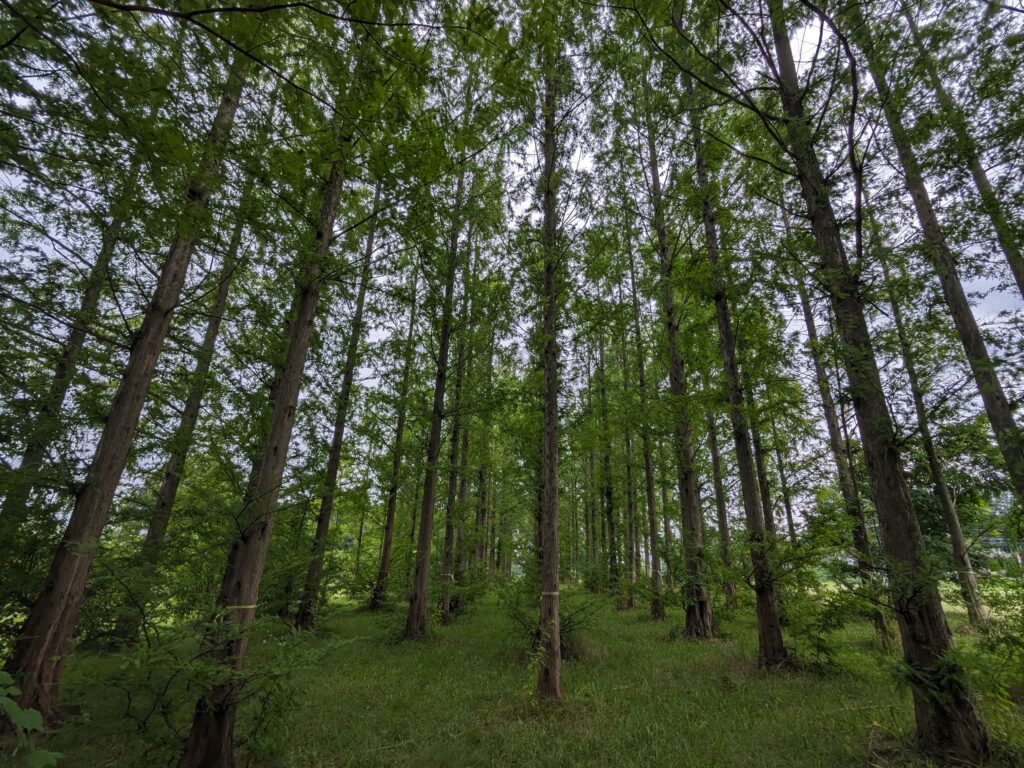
(37, 659)
(305, 617)
(947, 720)
(633, 543)
(761, 467)
(483, 499)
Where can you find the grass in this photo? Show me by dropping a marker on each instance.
(356, 697)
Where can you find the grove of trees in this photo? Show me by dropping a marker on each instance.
(707, 305)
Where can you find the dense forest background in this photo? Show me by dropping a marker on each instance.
(561, 328)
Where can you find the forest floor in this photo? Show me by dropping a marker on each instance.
(351, 695)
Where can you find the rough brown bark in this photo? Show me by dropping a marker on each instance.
(696, 597)
(38, 656)
(1000, 415)
(210, 743)
(947, 720)
(380, 587)
(305, 617)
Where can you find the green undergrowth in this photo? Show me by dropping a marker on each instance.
(350, 695)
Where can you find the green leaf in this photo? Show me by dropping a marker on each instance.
(40, 758)
(25, 719)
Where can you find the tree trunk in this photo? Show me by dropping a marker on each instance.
(37, 659)
(549, 677)
(380, 587)
(210, 743)
(947, 720)
(1000, 415)
(305, 618)
(181, 442)
(416, 619)
(696, 597)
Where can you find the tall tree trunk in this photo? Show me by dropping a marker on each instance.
(947, 719)
(1000, 415)
(696, 597)
(380, 587)
(181, 442)
(210, 743)
(416, 619)
(967, 146)
(657, 604)
(976, 613)
(305, 618)
(44, 640)
(549, 677)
